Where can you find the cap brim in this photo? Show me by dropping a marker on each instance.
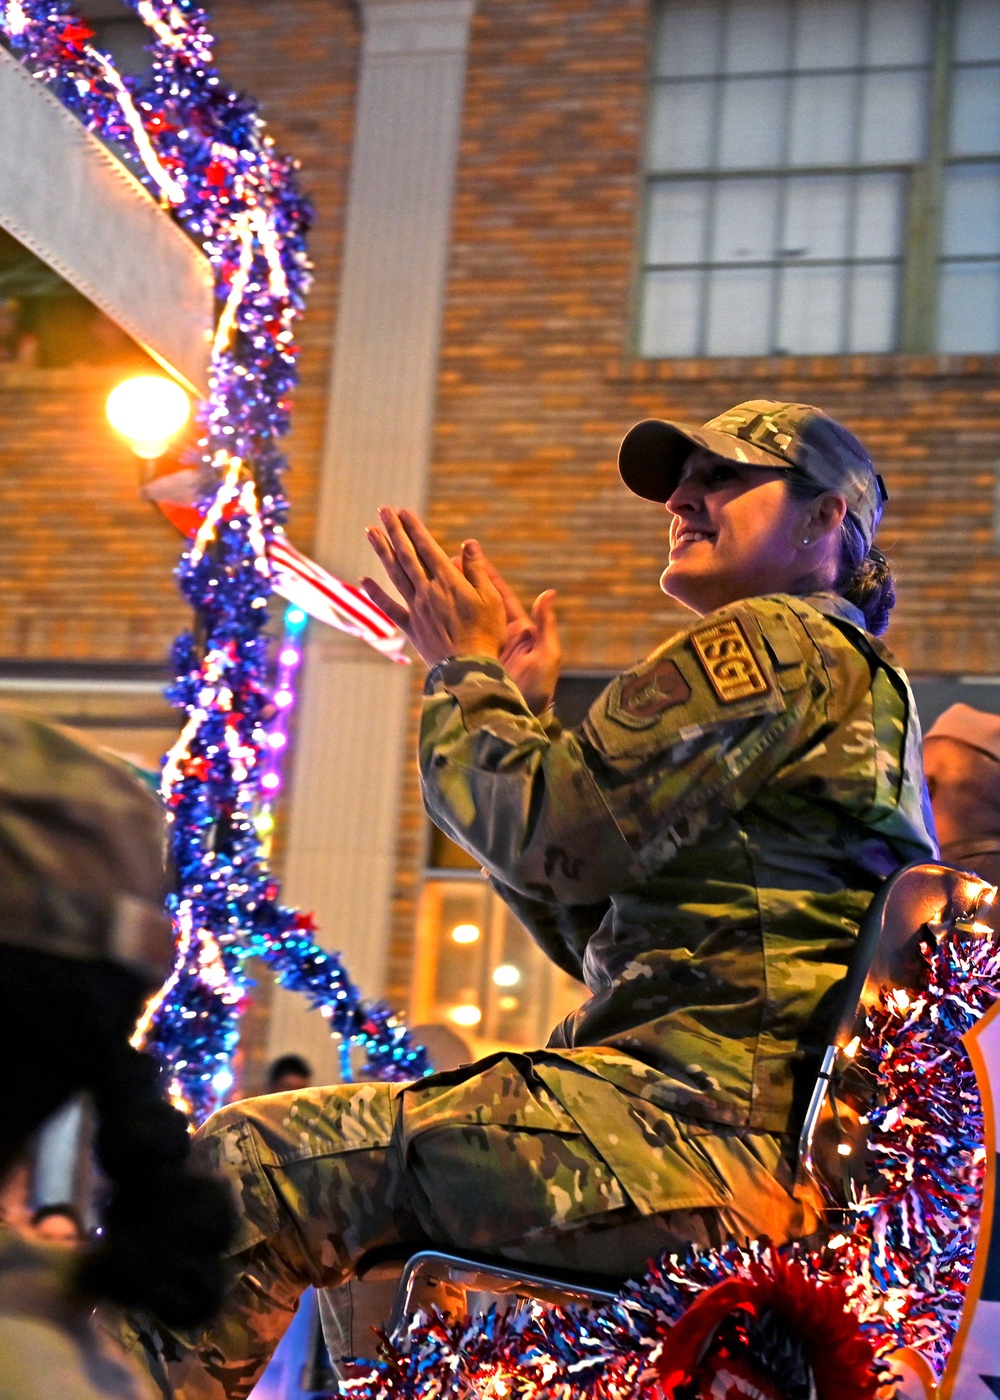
(653, 453)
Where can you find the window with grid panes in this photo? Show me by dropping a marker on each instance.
(823, 177)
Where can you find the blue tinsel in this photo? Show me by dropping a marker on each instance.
(210, 142)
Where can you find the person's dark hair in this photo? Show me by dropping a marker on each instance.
(64, 1027)
(289, 1064)
(864, 578)
(63, 1210)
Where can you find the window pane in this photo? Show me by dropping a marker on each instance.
(823, 120)
(872, 298)
(757, 37)
(978, 32)
(739, 312)
(675, 221)
(975, 111)
(811, 310)
(969, 315)
(457, 907)
(878, 216)
(491, 984)
(671, 305)
(893, 117)
(817, 217)
(828, 34)
(753, 121)
(746, 220)
(899, 31)
(972, 210)
(680, 127)
(688, 38)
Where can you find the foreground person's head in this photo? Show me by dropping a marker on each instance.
(767, 498)
(83, 942)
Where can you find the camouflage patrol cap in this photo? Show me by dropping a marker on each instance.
(764, 433)
(81, 853)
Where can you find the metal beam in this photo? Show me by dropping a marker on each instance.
(67, 198)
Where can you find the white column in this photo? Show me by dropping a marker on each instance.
(349, 749)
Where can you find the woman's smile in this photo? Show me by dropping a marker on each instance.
(682, 535)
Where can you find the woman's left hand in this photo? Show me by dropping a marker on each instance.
(446, 610)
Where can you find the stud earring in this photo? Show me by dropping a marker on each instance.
(806, 542)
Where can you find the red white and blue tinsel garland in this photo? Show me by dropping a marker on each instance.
(202, 149)
(895, 1277)
(903, 1266)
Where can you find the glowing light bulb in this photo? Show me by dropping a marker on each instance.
(271, 781)
(222, 1080)
(148, 410)
(283, 698)
(289, 657)
(295, 617)
(277, 740)
(465, 933)
(506, 975)
(844, 1148)
(466, 1014)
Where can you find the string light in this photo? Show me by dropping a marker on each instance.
(202, 149)
(906, 1261)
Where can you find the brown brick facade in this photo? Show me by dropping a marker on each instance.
(86, 570)
(537, 381)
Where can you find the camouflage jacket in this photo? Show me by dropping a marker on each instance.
(701, 850)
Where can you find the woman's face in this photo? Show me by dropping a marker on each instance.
(736, 533)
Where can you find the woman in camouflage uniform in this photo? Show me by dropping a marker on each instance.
(699, 853)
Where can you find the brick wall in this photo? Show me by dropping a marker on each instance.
(538, 385)
(86, 569)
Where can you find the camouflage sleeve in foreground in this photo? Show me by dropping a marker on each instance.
(669, 750)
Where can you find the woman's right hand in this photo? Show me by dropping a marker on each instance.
(531, 653)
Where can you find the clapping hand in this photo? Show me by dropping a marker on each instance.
(450, 607)
(463, 606)
(531, 654)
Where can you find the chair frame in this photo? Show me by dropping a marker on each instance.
(906, 911)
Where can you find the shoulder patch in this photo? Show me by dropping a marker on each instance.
(648, 693)
(728, 661)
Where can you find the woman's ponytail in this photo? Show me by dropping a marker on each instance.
(865, 578)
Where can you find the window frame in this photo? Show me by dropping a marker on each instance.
(922, 255)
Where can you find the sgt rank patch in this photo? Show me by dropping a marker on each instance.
(728, 661)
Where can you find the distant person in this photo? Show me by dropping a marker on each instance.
(83, 942)
(16, 345)
(289, 1072)
(962, 764)
(58, 1224)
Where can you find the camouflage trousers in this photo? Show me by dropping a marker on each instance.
(487, 1159)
